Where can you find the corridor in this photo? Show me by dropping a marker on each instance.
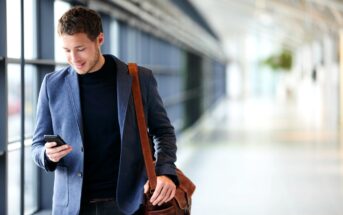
(261, 157)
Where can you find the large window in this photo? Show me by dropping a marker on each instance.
(59, 8)
(31, 178)
(13, 28)
(31, 182)
(14, 102)
(166, 61)
(114, 37)
(30, 28)
(14, 31)
(30, 99)
(13, 71)
(13, 178)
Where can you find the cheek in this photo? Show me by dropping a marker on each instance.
(78, 56)
(68, 56)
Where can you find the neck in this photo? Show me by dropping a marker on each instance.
(101, 61)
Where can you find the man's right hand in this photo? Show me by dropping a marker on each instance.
(55, 154)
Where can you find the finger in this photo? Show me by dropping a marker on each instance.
(60, 154)
(64, 152)
(160, 197)
(167, 196)
(50, 144)
(172, 194)
(62, 148)
(156, 192)
(51, 151)
(164, 198)
(146, 187)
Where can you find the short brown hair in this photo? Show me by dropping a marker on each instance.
(80, 20)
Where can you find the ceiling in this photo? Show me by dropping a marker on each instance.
(290, 22)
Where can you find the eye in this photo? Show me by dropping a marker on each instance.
(80, 49)
(66, 50)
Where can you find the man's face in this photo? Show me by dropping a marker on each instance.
(82, 53)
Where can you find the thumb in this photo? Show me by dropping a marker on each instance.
(146, 186)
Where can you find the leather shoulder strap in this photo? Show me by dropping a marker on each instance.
(143, 131)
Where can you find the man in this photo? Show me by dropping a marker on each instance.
(89, 104)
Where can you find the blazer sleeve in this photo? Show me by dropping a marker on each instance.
(43, 126)
(161, 130)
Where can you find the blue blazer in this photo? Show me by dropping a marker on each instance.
(59, 112)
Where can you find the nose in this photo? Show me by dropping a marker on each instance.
(74, 57)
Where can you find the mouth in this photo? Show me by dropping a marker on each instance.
(79, 66)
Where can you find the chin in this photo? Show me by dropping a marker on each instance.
(80, 72)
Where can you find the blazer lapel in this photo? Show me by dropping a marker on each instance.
(124, 81)
(74, 95)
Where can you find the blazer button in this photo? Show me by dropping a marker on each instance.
(81, 148)
(79, 174)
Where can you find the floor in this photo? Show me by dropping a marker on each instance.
(261, 157)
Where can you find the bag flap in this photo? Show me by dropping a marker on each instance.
(185, 183)
(184, 191)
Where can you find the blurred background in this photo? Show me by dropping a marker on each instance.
(252, 87)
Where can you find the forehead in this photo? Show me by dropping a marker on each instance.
(77, 39)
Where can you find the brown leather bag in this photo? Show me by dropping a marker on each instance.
(181, 203)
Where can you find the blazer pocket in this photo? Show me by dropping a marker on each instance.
(61, 191)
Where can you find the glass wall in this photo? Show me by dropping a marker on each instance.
(14, 103)
(13, 28)
(30, 28)
(164, 59)
(114, 36)
(14, 120)
(187, 82)
(59, 8)
(14, 100)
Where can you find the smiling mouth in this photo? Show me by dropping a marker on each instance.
(79, 66)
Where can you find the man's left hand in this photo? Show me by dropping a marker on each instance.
(164, 192)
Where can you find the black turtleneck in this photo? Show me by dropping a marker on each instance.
(101, 131)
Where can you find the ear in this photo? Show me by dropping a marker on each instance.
(101, 38)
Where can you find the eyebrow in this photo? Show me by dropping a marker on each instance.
(76, 47)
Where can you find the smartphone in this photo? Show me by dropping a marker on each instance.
(54, 138)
